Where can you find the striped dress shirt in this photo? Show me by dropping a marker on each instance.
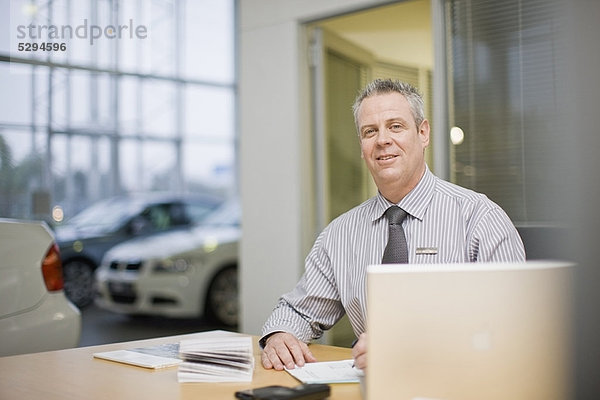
(446, 223)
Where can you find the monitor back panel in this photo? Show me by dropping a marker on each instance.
(469, 331)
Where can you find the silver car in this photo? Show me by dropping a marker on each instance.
(35, 314)
(185, 273)
(85, 238)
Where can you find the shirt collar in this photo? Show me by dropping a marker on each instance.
(414, 203)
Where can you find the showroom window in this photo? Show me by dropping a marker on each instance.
(105, 97)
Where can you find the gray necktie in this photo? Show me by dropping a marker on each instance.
(396, 250)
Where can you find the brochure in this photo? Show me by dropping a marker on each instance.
(161, 356)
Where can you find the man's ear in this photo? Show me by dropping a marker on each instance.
(424, 133)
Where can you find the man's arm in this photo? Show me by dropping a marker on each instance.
(311, 307)
(495, 238)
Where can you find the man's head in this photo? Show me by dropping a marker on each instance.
(383, 86)
(393, 136)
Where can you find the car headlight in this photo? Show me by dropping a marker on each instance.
(210, 244)
(172, 266)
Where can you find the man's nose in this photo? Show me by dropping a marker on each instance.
(383, 136)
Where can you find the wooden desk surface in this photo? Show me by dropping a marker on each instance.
(75, 374)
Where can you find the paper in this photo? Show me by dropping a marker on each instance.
(327, 372)
(226, 358)
(157, 356)
(161, 356)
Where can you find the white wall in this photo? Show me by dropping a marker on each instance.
(275, 146)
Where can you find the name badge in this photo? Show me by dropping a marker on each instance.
(427, 250)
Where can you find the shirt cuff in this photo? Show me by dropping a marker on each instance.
(263, 340)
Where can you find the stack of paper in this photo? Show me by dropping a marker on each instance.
(216, 359)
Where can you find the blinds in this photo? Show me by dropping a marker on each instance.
(502, 70)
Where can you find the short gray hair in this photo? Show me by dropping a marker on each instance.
(384, 86)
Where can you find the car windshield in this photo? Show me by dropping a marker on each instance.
(106, 216)
(228, 214)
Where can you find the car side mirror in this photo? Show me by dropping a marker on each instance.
(139, 225)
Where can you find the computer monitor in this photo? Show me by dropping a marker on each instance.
(469, 331)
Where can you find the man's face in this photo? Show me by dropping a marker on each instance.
(391, 143)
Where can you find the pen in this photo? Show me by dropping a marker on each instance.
(353, 344)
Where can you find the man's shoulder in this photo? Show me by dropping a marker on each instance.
(452, 190)
(469, 200)
(364, 210)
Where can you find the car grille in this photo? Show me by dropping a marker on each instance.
(123, 293)
(121, 299)
(126, 266)
(157, 301)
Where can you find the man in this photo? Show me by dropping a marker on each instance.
(444, 223)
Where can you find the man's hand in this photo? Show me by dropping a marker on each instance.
(359, 352)
(284, 349)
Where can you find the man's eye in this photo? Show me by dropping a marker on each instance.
(396, 127)
(368, 132)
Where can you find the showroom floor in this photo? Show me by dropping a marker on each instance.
(100, 327)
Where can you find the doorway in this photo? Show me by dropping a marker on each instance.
(393, 41)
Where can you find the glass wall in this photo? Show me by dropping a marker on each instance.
(104, 97)
(505, 98)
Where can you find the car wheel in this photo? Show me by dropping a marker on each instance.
(79, 282)
(222, 297)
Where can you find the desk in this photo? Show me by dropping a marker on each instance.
(75, 374)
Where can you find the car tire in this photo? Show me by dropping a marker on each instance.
(79, 282)
(222, 297)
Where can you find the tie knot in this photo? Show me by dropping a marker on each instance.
(395, 215)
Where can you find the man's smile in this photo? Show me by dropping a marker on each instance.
(386, 157)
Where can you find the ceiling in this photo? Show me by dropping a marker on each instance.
(399, 33)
